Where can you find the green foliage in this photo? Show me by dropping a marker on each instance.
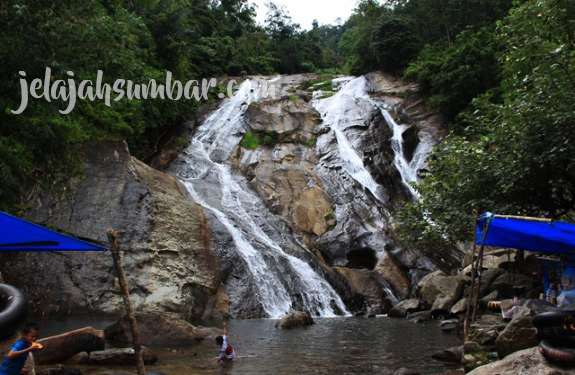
(330, 215)
(250, 141)
(516, 154)
(395, 42)
(312, 142)
(270, 138)
(136, 41)
(294, 50)
(181, 142)
(457, 74)
(356, 42)
(324, 82)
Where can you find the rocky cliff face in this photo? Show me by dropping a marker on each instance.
(321, 187)
(163, 235)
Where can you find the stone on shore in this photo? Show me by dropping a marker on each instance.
(405, 307)
(116, 356)
(156, 329)
(524, 362)
(60, 370)
(519, 334)
(61, 347)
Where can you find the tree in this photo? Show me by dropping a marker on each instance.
(394, 42)
(356, 43)
(515, 156)
(457, 74)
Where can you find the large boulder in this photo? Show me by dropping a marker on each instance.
(524, 362)
(283, 176)
(60, 347)
(460, 306)
(506, 284)
(156, 329)
(395, 274)
(289, 118)
(453, 355)
(295, 319)
(518, 335)
(402, 309)
(487, 279)
(449, 288)
(163, 233)
(369, 284)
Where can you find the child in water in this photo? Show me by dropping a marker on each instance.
(227, 353)
(16, 358)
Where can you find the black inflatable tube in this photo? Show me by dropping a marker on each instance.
(556, 331)
(559, 349)
(554, 318)
(13, 309)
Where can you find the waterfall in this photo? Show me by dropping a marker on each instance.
(282, 279)
(408, 170)
(339, 115)
(349, 107)
(268, 267)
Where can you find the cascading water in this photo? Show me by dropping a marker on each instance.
(281, 277)
(339, 115)
(349, 117)
(407, 169)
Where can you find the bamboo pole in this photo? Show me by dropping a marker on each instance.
(539, 219)
(480, 264)
(112, 237)
(471, 289)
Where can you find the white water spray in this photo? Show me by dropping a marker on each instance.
(212, 183)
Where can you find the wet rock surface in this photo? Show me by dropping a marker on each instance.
(163, 235)
(156, 329)
(61, 347)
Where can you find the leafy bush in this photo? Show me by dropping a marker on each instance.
(250, 141)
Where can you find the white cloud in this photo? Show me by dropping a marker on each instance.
(305, 11)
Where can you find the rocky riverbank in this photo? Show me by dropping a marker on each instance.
(496, 343)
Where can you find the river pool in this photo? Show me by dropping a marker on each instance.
(350, 345)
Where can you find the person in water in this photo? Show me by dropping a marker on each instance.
(227, 353)
(14, 363)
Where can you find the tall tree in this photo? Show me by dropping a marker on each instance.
(516, 156)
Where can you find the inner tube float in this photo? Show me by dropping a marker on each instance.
(13, 309)
(557, 328)
(552, 332)
(494, 306)
(565, 319)
(559, 349)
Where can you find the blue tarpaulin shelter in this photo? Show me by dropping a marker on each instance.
(20, 235)
(541, 235)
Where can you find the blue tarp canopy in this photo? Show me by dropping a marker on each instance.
(524, 234)
(20, 235)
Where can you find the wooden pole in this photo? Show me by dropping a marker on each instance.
(479, 268)
(524, 218)
(472, 288)
(112, 237)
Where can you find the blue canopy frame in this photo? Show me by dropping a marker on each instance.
(21, 235)
(530, 234)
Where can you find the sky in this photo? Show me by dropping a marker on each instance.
(305, 11)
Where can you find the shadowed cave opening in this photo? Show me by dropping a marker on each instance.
(362, 258)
